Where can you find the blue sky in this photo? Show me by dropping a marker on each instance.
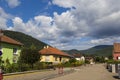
(27, 9)
(65, 24)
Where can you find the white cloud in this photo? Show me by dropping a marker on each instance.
(100, 41)
(13, 3)
(64, 3)
(107, 41)
(4, 17)
(97, 19)
(69, 26)
(113, 17)
(40, 27)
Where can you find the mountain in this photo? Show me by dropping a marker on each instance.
(100, 50)
(25, 39)
(72, 51)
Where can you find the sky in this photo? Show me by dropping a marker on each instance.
(65, 24)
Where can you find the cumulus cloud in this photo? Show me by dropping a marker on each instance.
(108, 40)
(97, 19)
(13, 3)
(41, 27)
(107, 26)
(100, 17)
(4, 17)
(64, 3)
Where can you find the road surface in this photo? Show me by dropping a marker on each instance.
(91, 72)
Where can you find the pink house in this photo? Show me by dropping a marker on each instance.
(116, 51)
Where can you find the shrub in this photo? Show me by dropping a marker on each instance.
(113, 61)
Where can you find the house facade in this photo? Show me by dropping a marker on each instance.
(9, 48)
(79, 57)
(116, 51)
(54, 55)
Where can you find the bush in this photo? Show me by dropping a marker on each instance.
(113, 61)
(67, 64)
(9, 68)
(72, 60)
(87, 61)
(40, 65)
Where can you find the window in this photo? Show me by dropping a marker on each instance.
(60, 58)
(14, 50)
(47, 59)
(55, 58)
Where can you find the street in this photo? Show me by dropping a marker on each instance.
(91, 72)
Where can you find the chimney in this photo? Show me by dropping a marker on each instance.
(44, 47)
(47, 47)
(1, 32)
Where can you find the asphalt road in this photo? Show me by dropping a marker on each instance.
(94, 72)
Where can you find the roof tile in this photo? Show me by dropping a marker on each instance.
(6, 39)
(53, 51)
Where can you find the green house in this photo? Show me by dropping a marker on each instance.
(9, 48)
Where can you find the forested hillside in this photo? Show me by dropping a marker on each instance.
(100, 50)
(25, 39)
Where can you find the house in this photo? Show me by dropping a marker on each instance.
(9, 48)
(54, 55)
(116, 51)
(79, 57)
(89, 60)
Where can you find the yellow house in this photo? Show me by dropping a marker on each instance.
(54, 55)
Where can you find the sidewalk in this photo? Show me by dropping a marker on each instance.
(91, 72)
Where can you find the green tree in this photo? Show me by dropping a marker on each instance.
(29, 56)
(99, 59)
(72, 60)
(33, 47)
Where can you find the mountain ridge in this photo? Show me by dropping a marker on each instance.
(27, 40)
(99, 50)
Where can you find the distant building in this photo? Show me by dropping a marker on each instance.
(79, 57)
(54, 55)
(116, 51)
(9, 48)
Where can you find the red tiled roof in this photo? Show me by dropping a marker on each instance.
(116, 47)
(53, 51)
(6, 39)
(77, 55)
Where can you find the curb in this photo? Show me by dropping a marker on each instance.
(25, 72)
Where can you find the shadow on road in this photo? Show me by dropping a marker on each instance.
(116, 77)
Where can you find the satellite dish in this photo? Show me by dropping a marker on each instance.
(0, 53)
